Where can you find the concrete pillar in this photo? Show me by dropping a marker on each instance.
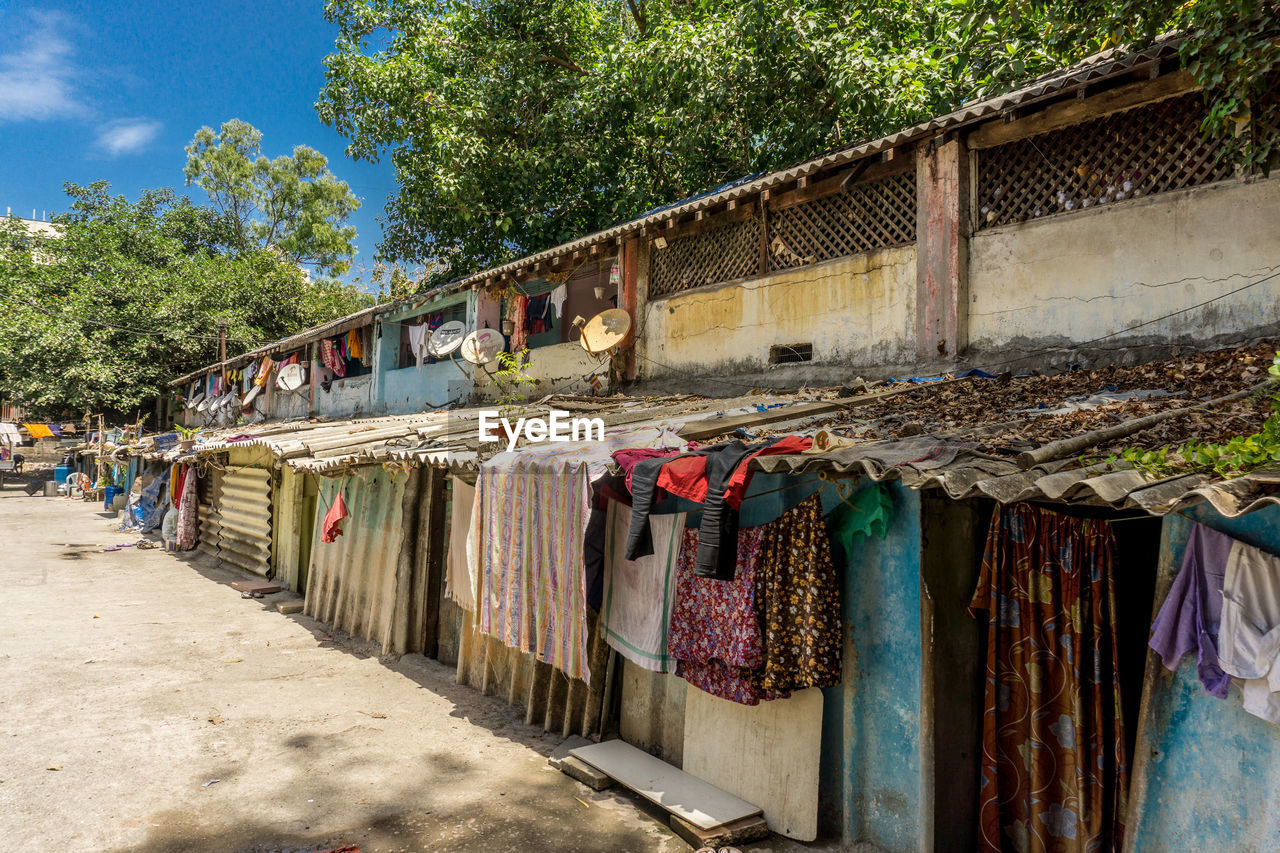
(942, 249)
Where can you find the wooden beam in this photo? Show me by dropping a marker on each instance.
(864, 170)
(1067, 113)
(739, 213)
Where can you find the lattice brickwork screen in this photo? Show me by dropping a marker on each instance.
(729, 252)
(1139, 152)
(874, 215)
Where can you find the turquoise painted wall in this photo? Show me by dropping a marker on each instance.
(1206, 772)
(404, 390)
(871, 725)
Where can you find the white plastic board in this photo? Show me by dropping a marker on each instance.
(701, 804)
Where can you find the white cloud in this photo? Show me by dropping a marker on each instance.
(126, 136)
(37, 79)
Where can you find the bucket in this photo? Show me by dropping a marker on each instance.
(109, 495)
(51, 488)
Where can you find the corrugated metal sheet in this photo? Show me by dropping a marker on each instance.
(352, 583)
(549, 698)
(210, 515)
(245, 519)
(286, 522)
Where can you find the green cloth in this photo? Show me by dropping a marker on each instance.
(867, 513)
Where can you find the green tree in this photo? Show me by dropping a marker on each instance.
(516, 124)
(292, 204)
(129, 294)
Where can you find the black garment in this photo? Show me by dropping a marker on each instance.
(593, 539)
(718, 535)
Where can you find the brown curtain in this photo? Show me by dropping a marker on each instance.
(1053, 758)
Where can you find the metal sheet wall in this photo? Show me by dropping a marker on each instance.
(210, 514)
(245, 519)
(286, 526)
(352, 582)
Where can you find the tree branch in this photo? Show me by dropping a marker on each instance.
(564, 63)
(638, 14)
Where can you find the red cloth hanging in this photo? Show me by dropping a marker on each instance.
(331, 528)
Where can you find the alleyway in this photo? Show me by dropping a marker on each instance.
(130, 679)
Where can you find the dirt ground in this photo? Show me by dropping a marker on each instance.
(129, 680)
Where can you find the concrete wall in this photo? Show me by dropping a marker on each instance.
(857, 310)
(1079, 276)
(871, 741)
(1206, 771)
(346, 397)
(419, 389)
(560, 369)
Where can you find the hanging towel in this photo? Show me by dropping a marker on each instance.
(1249, 639)
(419, 335)
(460, 579)
(558, 296)
(638, 594)
(331, 527)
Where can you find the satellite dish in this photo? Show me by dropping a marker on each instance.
(483, 345)
(251, 396)
(204, 403)
(291, 377)
(605, 331)
(195, 401)
(445, 340)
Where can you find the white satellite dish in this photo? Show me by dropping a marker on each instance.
(483, 345)
(195, 401)
(446, 339)
(605, 331)
(291, 377)
(251, 396)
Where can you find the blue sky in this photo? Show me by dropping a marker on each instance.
(114, 90)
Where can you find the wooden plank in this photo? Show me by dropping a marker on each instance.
(683, 795)
(1072, 112)
(711, 427)
(869, 169)
(708, 223)
(767, 754)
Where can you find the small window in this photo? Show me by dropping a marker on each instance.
(790, 353)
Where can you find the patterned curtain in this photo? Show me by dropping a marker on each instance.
(1054, 778)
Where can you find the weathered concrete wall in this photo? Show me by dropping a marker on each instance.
(858, 310)
(1077, 277)
(652, 712)
(1206, 771)
(419, 389)
(561, 368)
(871, 740)
(346, 397)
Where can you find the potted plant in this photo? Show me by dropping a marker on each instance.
(186, 436)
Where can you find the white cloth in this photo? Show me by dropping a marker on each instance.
(418, 337)
(558, 296)
(1249, 636)
(635, 608)
(460, 579)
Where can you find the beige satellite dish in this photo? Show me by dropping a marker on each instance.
(605, 331)
(446, 339)
(482, 346)
(291, 377)
(251, 396)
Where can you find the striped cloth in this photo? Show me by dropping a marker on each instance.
(533, 506)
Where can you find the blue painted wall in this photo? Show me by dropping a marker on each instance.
(1211, 769)
(871, 723)
(404, 390)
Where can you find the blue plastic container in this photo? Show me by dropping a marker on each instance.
(61, 473)
(109, 493)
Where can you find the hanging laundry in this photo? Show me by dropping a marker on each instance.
(629, 458)
(1249, 636)
(264, 371)
(331, 527)
(331, 359)
(797, 599)
(519, 311)
(460, 578)
(355, 346)
(366, 346)
(637, 596)
(188, 512)
(714, 632)
(536, 320)
(1054, 776)
(558, 297)
(419, 335)
(1189, 618)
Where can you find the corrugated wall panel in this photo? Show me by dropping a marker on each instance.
(352, 582)
(286, 526)
(210, 523)
(245, 519)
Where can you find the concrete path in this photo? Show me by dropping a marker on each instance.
(129, 680)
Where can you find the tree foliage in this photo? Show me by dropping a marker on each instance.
(129, 295)
(293, 203)
(517, 124)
